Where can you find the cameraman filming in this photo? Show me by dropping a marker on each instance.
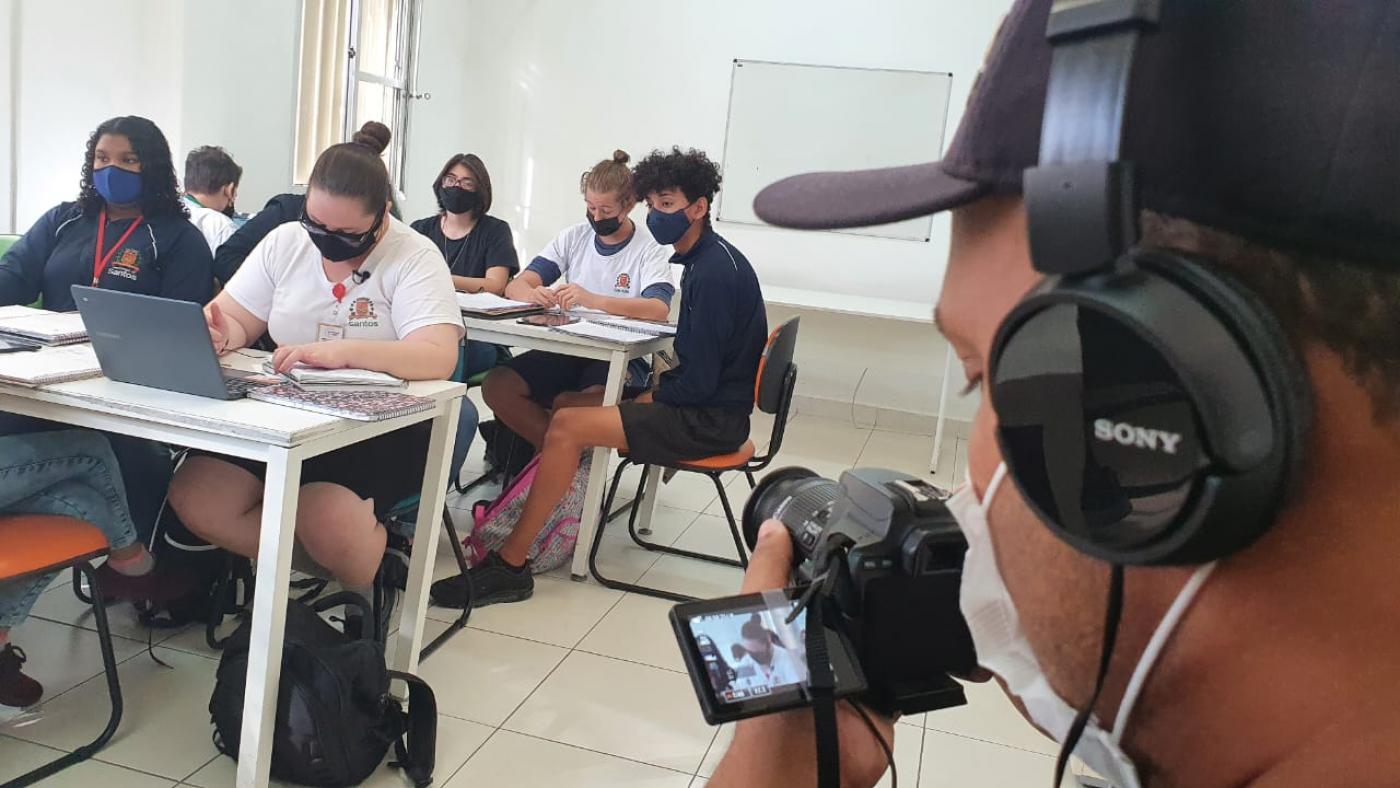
(1265, 137)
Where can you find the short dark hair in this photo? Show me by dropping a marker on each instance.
(209, 168)
(691, 172)
(477, 168)
(1352, 308)
(160, 194)
(753, 629)
(351, 169)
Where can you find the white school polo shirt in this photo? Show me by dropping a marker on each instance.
(625, 273)
(409, 287)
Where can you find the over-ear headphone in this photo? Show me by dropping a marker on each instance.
(1151, 411)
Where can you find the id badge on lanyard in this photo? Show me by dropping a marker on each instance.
(100, 261)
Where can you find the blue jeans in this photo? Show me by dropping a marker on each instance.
(71, 473)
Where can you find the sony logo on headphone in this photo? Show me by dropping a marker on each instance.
(1131, 435)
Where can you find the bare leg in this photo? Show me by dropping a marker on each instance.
(340, 532)
(570, 432)
(591, 397)
(220, 502)
(508, 396)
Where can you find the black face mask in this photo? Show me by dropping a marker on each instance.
(228, 211)
(455, 199)
(604, 227)
(339, 247)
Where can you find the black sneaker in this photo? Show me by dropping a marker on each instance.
(453, 592)
(493, 581)
(16, 689)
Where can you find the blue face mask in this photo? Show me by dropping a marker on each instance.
(116, 185)
(667, 228)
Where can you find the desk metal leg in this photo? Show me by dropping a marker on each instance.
(942, 409)
(425, 538)
(598, 474)
(269, 615)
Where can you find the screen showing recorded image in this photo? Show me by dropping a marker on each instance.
(751, 653)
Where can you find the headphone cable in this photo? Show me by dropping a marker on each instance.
(1112, 616)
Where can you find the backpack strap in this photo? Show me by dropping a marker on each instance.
(416, 746)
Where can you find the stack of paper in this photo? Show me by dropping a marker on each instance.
(604, 333)
(51, 328)
(492, 304)
(339, 379)
(49, 365)
(641, 326)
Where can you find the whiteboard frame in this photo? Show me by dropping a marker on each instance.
(729, 119)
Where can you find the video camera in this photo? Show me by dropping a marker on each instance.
(882, 555)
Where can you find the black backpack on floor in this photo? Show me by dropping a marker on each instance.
(506, 452)
(335, 719)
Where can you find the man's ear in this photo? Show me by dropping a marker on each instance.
(702, 204)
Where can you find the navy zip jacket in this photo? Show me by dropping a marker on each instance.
(279, 210)
(165, 256)
(722, 330)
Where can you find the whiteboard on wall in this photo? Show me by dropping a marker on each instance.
(786, 119)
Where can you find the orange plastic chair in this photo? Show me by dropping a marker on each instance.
(36, 545)
(773, 389)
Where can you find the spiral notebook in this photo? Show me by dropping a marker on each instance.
(49, 365)
(51, 328)
(357, 405)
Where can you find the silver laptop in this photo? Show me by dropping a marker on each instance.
(158, 342)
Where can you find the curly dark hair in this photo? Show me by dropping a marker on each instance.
(160, 192)
(690, 171)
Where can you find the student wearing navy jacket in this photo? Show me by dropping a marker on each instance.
(700, 409)
(128, 230)
(130, 202)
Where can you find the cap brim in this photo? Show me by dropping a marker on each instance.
(831, 200)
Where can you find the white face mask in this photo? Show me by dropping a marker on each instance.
(1003, 649)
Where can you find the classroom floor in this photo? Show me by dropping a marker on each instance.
(579, 686)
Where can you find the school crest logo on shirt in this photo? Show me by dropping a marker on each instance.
(127, 265)
(362, 314)
(623, 284)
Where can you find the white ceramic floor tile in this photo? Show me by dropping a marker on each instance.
(621, 708)
(637, 630)
(560, 613)
(457, 740)
(813, 438)
(482, 676)
(61, 657)
(700, 579)
(990, 716)
(18, 757)
(955, 762)
(901, 451)
(165, 726)
(699, 782)
(709, 534)
(723, 738)
(510, 759)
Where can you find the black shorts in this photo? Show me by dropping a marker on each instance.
(661, 434)
(550, 374)
(387, 468)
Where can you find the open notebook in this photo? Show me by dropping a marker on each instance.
(357, 405)
(492, 305)
(49, 365)
(51, 328)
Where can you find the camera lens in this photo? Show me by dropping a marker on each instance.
(796, 497)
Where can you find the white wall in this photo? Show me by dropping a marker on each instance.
(440, 126)
(81, 62)
(240, 78)
(558, 84)
(9, 10)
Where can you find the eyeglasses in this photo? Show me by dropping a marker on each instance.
(449, 181)
(316, 228)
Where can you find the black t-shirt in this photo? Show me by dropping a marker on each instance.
(489, 245)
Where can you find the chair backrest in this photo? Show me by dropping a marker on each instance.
(6, 241)
(773, 367)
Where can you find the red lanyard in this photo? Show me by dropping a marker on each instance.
(100, 260)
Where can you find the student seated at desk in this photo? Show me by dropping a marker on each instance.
(478, 247)
(128, 230)
(701, 407)
(211, 186)
(71, 473)
(610, 264)
(347, 286)
(284, 208)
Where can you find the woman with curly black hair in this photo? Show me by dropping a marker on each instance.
(128, 229)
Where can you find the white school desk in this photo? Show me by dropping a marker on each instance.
(283, 438)
(512, 333)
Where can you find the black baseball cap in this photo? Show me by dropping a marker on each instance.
(1275, 119)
